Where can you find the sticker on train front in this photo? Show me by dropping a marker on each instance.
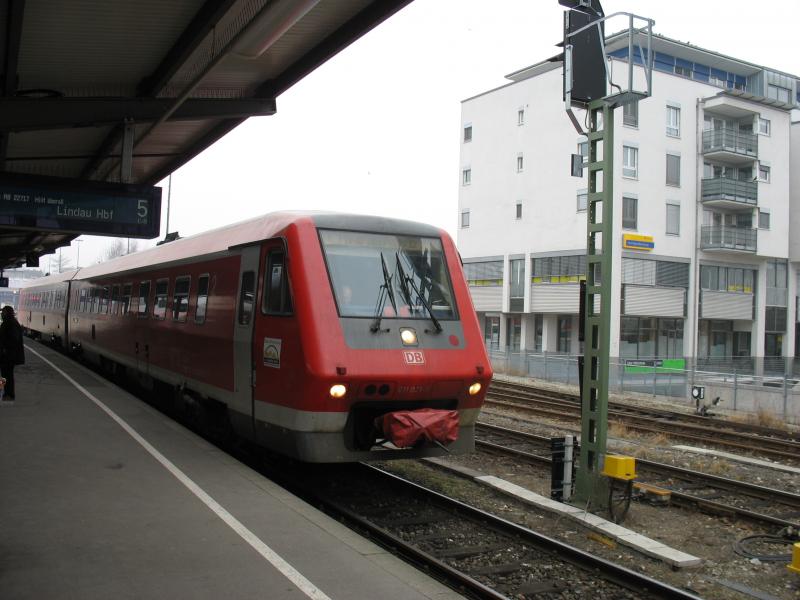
(414, 357)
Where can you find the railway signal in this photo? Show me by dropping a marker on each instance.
(587, 81)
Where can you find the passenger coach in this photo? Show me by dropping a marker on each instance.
(309, 333)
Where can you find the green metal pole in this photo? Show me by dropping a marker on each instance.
(591, 486)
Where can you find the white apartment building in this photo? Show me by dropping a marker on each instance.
(706, 182)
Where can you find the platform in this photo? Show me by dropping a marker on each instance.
(101, 496)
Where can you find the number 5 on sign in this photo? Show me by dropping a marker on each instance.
(414, 357)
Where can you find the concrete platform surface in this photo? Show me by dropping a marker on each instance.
(101, 496)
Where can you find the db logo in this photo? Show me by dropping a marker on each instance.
(415, 357)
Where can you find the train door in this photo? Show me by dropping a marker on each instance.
(277, 354)
(242, 400)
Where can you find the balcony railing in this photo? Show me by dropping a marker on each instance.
(728, 140)
(734, 190)
(717, 237)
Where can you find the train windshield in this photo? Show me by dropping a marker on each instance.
(391, 276)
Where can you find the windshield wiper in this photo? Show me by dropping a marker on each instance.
(406, 279)
(386, 290)
(403, 283)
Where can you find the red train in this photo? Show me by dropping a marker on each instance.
(304, 331)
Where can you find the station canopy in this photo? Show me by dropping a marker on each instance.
(108, 97)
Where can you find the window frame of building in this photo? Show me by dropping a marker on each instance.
(466, 176)
(777, 92)
(630, 162)
(673, 218)
(464, 219)
(627, 203)
(467, 133)
(519, 210)
(521, 116)
(582, 204)
(676, 168)
(630, 114)
(764, 126)
(520, 163)
(763, 219)
(764, 173)
(673, 126)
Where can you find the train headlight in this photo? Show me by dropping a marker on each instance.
(338, 390)
(408, 336)
(474, 388)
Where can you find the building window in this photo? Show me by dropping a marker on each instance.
(564, 331)
(513, 333)
(763, 219)
(464, 218)
(629, 213)
(630, 162)
(673, 121)
(778, 93)
(764, 126)
(538, 323)
(491, 332)
(673, 170)
(516, 285)
(630, 114)
(683, 71)
(467, 133)
(763, 173)
(519, 210)
(466, 176)
(520, 163)
(727, 279)
(521, 116)
(559, 269)
(583, 200)
(583, 150)
(673, 219)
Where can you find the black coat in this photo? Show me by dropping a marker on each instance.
(11, 347)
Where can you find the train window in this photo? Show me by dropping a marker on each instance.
(363, 265)
(95, 300)
(277, 299)
(180, 299)
(115, 300)
(104, 293)
(82, 303)
(125, 302)
(202, 299)
(160, 304)
(246, 297)
(144, 298)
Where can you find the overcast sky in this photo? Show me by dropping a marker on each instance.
(377, 128)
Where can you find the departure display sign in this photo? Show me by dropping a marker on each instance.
(85, 207)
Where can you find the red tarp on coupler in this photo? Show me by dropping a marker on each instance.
(405, 428)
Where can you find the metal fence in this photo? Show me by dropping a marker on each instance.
(742, 384)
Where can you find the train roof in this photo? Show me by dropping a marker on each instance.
(223, 239)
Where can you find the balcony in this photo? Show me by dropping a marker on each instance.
(737, 239)
(724, 192)
(730, 146)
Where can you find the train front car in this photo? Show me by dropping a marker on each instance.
(396, 366)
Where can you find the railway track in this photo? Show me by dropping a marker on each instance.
(772, 443)
(705, 492)
(475, 552)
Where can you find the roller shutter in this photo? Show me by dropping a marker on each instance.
(654, 301)
(487, 298)
(724, 305)
(561, 298)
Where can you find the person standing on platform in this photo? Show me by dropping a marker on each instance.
(12, 351)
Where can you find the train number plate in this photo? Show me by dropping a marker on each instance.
(414, 357)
